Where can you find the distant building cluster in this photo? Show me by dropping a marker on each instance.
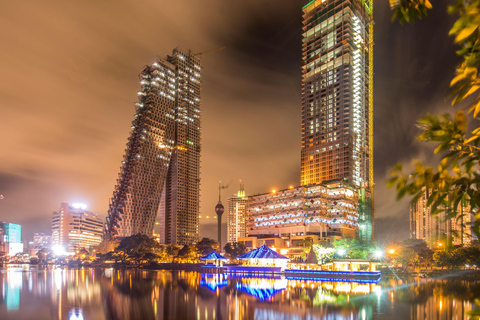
(436, 229)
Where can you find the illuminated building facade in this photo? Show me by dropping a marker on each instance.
(337, 99)
(435, 229)
(237, 216)
(11, 238)
(73, 227)
(10, 232)
(317, 210)
(161, 166)
(41, 240)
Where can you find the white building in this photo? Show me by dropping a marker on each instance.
(73, 228)
(236, 216)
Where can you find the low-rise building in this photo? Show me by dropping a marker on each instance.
(320, 210)
(290, 220)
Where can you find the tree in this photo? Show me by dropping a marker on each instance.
(172, 250)
(354, 248)
(82, 254)
(307, 242)
(206, 246)
(442, 259)
(420, 247)
(107, 245)
(188, 252)
(323, 254)
(136, 248)
(407, 256)
(455, 178)
(235, 249)
(44, 255)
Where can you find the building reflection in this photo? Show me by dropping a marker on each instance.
(91, 294)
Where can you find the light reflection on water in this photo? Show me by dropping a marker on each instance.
(91, 294)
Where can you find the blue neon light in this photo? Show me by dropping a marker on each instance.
(254, 269)
(333, 279)
(260, 294)
(213, 281)
(325, 272)
(254, 276)
(212, 284)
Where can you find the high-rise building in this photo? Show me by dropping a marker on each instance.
(237, 216)
(73, 228)
(337, 99)
(161, 165)
(436, 229)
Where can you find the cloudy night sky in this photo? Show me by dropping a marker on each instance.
(69, 81)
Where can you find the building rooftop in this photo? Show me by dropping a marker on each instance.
(263, 252)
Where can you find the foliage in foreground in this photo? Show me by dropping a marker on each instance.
(456, 178)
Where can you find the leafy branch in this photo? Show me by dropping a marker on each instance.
(455, 180)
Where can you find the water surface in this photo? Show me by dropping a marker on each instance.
(95, 294)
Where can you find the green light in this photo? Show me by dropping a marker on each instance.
(190, 142)
(308, 4)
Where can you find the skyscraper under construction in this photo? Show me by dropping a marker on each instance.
(337, 99)
(161, 165)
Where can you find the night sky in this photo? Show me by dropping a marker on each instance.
(68, 83)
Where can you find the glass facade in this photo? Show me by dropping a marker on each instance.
(10, 232)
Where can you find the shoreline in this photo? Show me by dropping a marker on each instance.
(469, 274)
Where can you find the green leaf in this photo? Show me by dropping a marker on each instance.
(391, 182)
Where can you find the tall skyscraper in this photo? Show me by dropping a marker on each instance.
(337, 99)
(237, 216)
(73, 228)
(161, 166)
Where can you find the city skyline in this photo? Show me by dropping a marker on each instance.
(65, 146)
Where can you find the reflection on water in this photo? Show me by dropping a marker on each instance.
(90, 294)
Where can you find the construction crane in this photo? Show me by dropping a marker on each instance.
(208, 51)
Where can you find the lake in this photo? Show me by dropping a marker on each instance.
(93, 294)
